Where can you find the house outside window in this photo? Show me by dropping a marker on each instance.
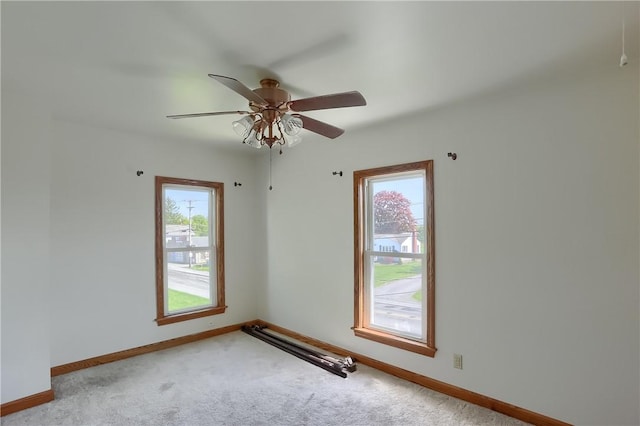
(189, 249)
(395, 256)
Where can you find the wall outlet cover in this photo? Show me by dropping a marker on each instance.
(457, 361)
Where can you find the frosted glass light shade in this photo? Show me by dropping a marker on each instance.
(243, 126)
(291, 124)
(253, 141)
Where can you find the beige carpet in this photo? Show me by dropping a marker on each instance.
(236, 379)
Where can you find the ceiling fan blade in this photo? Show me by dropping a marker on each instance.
(239, 88)
(320, 127)
(337, 100)
(207, 114)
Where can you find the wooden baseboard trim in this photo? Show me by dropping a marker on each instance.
(436, 385)
(26, 402)
(128, 353)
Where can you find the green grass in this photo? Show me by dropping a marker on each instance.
(200, 267)
(385, 273)
(179, 300)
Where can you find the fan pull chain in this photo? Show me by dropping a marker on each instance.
(623, 58)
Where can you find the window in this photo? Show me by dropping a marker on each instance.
(189, 249)
(395, 256)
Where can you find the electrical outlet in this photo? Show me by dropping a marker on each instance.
(457, 361)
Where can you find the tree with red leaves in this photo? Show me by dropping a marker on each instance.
(392, 213)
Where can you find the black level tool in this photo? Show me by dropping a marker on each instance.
(338, 367)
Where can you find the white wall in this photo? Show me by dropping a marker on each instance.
(536, 237)
(102, 238)
(25, 247)
(536, 242)
(78, 277)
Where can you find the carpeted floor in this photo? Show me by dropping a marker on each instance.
(236, 379)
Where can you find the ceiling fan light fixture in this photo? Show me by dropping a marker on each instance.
(269, 121)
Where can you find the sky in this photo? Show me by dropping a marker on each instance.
(198, 198)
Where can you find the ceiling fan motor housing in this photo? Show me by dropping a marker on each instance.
(271, 93)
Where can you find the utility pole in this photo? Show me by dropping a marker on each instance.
(191, 207)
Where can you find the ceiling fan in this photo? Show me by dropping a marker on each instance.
(273, 117)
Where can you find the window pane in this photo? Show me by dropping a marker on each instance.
(398, 214)
(396, 282)
(188, 287)
(186, 217)
(396, 295)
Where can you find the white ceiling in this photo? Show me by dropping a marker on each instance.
(126, 65)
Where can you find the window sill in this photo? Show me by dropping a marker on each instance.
(398, 342)
(170, 319)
